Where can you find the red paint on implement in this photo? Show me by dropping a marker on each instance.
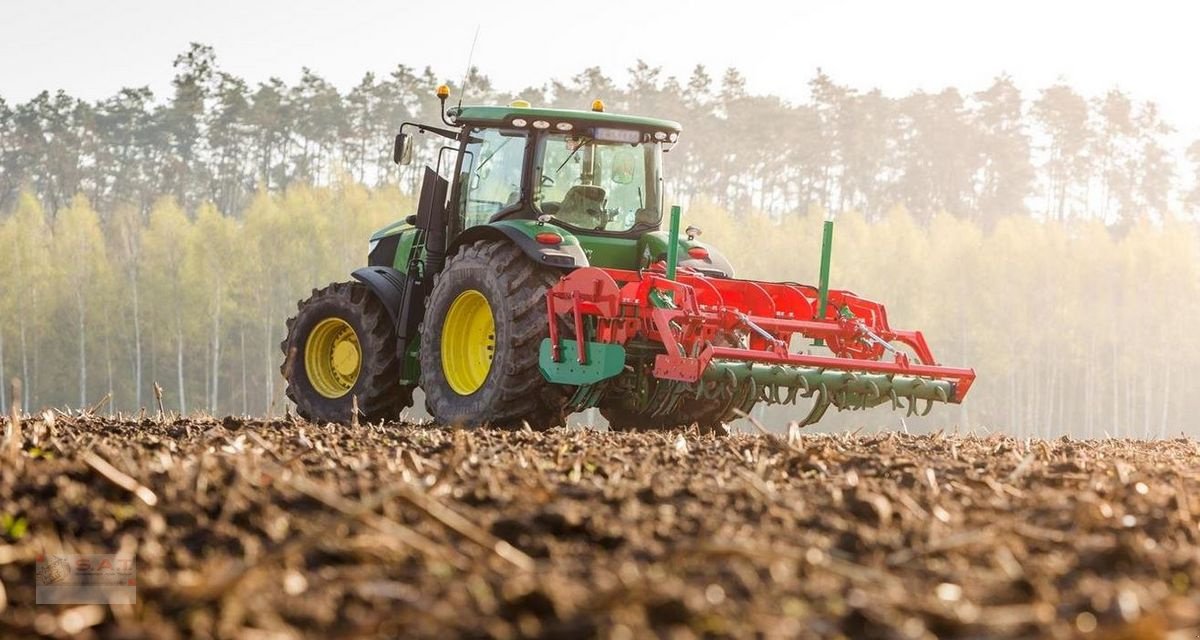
(769, 314)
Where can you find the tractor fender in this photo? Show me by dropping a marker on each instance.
(567, 254)
(652, 247)
(388, 286)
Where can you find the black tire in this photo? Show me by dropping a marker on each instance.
(514, 390)
(377, 388)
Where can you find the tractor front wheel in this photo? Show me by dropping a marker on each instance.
(484, 323)
(341, 346)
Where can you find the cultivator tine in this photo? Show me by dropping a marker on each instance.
(912, 407)
(928, 408)
(817, 412)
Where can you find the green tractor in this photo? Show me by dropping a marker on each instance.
(538, 282)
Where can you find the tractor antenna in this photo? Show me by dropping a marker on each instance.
(467, 73)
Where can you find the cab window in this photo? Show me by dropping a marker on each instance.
(606, 182)
(491, 174)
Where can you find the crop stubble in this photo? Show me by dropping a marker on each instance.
(244, 527)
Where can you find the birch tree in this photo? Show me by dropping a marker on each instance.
(83, 271)
(164, 244)
(27, 237)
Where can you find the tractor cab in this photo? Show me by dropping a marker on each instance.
(595, 176)
(590, 172)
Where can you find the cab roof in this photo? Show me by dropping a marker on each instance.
(496, 115)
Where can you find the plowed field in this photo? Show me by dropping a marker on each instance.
(283, 529)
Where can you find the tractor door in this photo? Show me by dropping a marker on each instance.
(490, 175)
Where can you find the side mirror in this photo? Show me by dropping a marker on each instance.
(402, 151)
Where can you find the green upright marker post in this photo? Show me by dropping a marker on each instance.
(673, 243)
(823, 291)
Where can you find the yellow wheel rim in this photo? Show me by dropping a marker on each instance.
(332, 357)
(468, 342)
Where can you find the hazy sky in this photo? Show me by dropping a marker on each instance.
(91, 48)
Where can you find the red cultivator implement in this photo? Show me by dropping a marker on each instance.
(651, 345)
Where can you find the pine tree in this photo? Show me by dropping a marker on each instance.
(1063, 115)
(1005, 146)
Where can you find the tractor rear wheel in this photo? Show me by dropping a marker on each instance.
(484, 324)
(341, 346)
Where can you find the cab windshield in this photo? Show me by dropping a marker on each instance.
(609, 181)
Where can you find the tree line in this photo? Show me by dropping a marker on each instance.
(105, 307)
(1071, 327)
(978, 155)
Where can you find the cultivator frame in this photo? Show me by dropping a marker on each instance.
(733, 339)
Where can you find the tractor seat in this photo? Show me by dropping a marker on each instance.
(583, 206)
